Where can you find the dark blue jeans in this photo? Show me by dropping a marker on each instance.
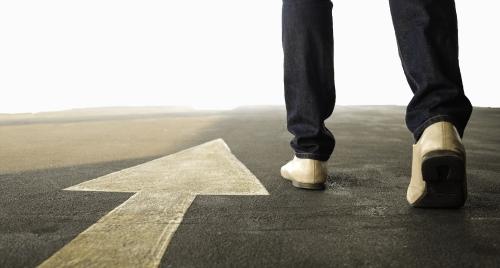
(427, 39)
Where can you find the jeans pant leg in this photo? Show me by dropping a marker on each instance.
(307, 39)
(427, 38)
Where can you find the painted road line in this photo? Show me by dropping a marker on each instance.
(137, 233)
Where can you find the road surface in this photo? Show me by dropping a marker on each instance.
(361, 219)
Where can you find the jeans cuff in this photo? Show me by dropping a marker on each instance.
(420, 129)
(313, 156)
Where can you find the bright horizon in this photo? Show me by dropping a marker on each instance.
(58, 55)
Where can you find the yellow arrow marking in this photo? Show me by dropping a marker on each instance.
(137, 233)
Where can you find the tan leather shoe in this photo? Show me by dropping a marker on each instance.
(438, 177)
(305, 173)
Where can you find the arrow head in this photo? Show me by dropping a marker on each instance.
(209, 168)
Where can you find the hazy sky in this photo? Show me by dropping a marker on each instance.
(209, 54)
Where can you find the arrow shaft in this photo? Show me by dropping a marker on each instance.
(137, 233)
(134, 234)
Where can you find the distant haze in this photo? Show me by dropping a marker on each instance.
(209, 54)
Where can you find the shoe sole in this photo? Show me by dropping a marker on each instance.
(445, 178)
(302, 185)
(309, 186)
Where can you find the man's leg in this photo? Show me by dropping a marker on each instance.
(427, 36)
(307, 39)
(426, 33)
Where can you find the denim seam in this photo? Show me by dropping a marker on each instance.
(322, 156)
(403, 61)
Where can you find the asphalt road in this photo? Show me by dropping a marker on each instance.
(361, 219)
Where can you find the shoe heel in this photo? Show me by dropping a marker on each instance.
(309, 186)
(444, 174)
